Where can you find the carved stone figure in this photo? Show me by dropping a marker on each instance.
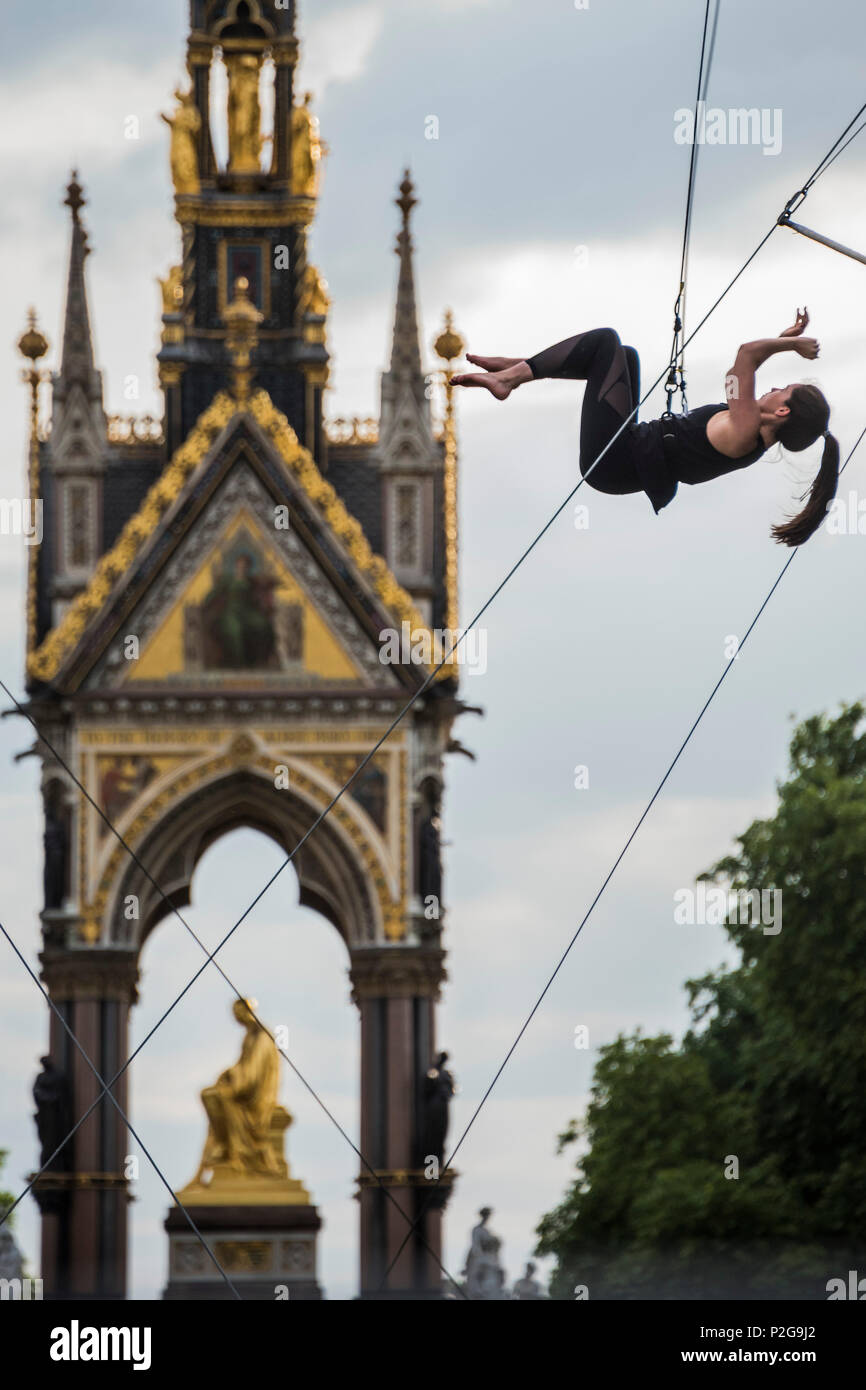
(439, 1087)
(527, 1287)
(429, 848)
(11, 1262)
(185, 125)
(240, 1106)
(53, 1123)
(307, 150)
(484, 1274)
(55, 838)
(245, 114)
(370, 790)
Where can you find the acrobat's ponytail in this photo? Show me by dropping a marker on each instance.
(806, 422)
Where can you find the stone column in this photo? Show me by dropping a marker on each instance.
(84, 1197)
(199, 59)
(285, 57)
(396, 989)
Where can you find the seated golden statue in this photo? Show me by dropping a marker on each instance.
(243, 1160)
(239, 1106)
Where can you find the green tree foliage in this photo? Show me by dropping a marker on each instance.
(772, 1073)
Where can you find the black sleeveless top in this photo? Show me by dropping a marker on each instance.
(691, 458)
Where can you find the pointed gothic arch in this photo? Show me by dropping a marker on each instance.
(332, 874)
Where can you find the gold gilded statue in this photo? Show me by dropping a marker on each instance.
(172, 291)
(243, 1162)
(185, 125)
(307, 150)
(314, 297)
(240, 1106)
(245, 114)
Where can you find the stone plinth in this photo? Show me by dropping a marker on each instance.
(269, 1252)
(261, 1227)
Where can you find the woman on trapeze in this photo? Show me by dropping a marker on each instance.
(656, 456)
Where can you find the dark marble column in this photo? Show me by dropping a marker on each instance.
(285, 57)
(83, 1196)
(199, 57)
(396, 990)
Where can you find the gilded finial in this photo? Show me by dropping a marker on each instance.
(32, 344)
(449, 345)
(242, 320)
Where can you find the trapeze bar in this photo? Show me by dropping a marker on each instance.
(824, 240)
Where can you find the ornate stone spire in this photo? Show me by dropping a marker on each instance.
(410, 458)
(78, 428)
(405, 350)
(405, 407)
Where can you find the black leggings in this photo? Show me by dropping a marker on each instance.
(612, 376)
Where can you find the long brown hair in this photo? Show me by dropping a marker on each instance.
(808, 419)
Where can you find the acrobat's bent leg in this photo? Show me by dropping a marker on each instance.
(633, 363)
(612, 376)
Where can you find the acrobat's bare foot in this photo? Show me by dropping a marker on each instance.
(492, 364)
(498, 386)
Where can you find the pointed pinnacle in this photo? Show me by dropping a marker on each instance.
(74, 196)
(406, 202)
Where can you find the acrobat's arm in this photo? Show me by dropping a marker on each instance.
(744, 412)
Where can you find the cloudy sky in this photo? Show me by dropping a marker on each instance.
(551, 201)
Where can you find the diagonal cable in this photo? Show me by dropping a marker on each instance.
(833, 151)
(436, 669)
(426, 684)
(22, 710)
(163, 1179)
(616, 863)
(820, 169)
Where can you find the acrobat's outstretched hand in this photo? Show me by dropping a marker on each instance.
(799, 325)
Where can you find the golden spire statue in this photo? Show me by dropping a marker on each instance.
(242, 320)
(314, 297)
(172, 291)
(307, 150)
(185, 125)
(245, 113)
(242, 1162)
